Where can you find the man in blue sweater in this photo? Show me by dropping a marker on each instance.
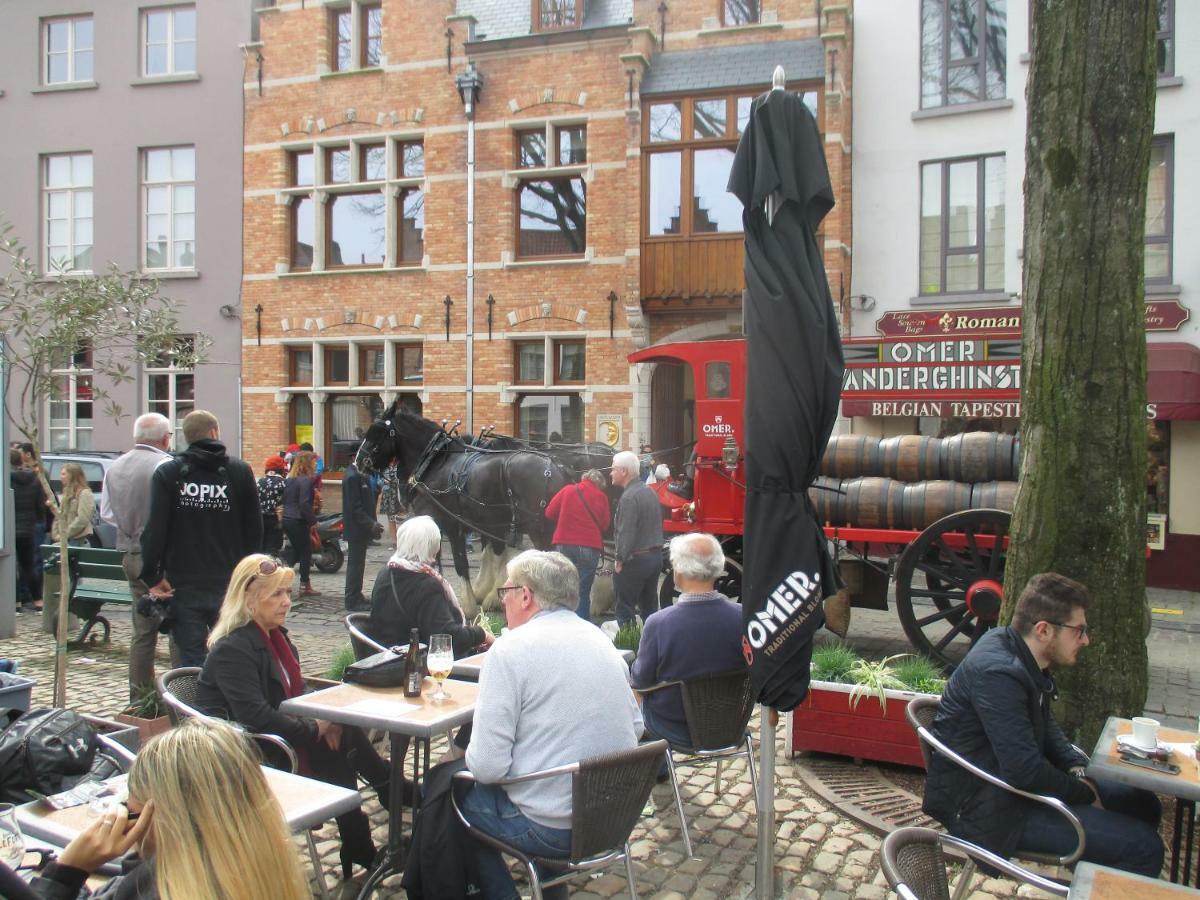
(700, 635)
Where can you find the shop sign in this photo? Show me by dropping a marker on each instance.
(1156, 531)
(1166, 315)
(963, 409)
(1000, 321)
(609, 429)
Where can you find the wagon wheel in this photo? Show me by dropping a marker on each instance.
(729, 584)
(965, 584)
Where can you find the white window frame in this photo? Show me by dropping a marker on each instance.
(73, 429)
(72, 191)
(170, 42)
(71, 21)
(173, 374)
(171, 184)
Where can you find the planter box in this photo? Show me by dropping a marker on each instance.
(16, 693)
(826, 723)
(147, 728)
(128, 736)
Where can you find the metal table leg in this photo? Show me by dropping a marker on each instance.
(393, 859)
(1177, 841)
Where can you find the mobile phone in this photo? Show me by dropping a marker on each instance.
(1152, 764)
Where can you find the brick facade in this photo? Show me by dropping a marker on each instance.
(529, 82)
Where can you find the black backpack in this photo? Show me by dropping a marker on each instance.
(44, 751)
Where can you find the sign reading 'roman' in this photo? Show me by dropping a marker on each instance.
(1001, 321)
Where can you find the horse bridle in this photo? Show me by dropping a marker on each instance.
(358, 453)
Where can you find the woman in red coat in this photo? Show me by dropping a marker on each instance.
(581, 514)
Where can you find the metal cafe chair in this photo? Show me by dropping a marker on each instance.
(362, 643)
(177, 687)
(717, 709)
(608, 794)
(921, 712)
(914, 863)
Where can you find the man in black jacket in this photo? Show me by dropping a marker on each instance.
(995, 712)
(204, 519)
(359, 525)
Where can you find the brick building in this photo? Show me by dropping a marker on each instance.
(592, 124)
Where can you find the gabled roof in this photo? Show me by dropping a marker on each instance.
(689, 71)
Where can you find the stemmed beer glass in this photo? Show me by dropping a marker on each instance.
(440, 660)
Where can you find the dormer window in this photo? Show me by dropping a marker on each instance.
(555, 15)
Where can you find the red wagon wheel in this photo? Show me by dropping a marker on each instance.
(950, 582)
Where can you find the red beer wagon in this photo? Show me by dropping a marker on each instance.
(945, 557)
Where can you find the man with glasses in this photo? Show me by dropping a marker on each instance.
(995, 713)
(553, 691)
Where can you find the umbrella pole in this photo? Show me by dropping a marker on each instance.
(764, 873)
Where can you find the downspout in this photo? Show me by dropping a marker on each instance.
(470, 417)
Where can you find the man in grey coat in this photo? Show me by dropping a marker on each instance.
(639, 541)
(126, 506)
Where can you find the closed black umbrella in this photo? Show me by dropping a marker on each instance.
(793, 384)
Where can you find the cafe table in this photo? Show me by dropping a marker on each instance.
(1106, 762)
(305, 802)
(1095, 882)
(387, 709)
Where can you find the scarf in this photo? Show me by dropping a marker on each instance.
(285, 657)
(399, 562)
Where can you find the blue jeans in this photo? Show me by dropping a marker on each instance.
(488, 808)
(1123, 835)
(657, 728)
(587, 560)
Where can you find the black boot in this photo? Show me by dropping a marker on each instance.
(357, 846)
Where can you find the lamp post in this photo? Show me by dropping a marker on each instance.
(470, 87)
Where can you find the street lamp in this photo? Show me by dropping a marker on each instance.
(470, 87)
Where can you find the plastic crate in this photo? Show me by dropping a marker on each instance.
(16, 692)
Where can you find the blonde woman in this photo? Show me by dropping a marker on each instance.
(76, 506)
(252, 667)
(299, 515)
(204, 822)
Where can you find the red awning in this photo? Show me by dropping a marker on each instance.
(1173, 380)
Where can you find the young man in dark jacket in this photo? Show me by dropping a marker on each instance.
(995, 712)
(29, 508)
(204, 519)
(359, 525)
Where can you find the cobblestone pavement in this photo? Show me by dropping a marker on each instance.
(819, 853)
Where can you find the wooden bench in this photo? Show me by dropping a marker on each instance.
(97, 578)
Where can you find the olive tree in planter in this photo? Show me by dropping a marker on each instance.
(48, 321)
(855, 707)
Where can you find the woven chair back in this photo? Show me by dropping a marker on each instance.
(609, 793)
(921, 711)
(717, 708)
(913, 857)
(181, 684)
(359, 622)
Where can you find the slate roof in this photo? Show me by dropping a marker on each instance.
(688, 71)
(496, 19)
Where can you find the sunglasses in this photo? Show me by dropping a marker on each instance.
(269, 566)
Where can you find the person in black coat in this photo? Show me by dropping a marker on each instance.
(995, 712)
(252, 667)
(410, 593)
(359, 526)
(29, 507)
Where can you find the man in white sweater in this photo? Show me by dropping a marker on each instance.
(552, 691)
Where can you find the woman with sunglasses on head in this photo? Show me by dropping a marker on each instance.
(252, 667)
(204, 823)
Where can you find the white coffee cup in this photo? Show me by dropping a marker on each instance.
(1145, 733)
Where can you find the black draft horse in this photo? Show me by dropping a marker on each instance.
(501, 494)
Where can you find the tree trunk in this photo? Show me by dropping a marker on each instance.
(1081, 509)
(64, 584)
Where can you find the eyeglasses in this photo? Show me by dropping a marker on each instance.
(501, 591)
(1082, 629)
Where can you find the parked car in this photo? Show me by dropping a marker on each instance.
(94, 463)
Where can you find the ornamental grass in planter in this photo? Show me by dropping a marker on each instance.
(855, 706)
(146, 713)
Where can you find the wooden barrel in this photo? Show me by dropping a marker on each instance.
(994, 495)
(851, 456)
(978, 456)
(826, 497)
(872, 502)
(924, 502)
(911, 457)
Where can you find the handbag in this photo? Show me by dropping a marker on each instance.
(384, 669)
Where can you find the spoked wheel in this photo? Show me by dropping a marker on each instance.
(729, 584)
(950, 583)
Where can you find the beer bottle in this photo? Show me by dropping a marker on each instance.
(412, 666)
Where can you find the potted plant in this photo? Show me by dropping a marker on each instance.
(855, 707)
(146, 713)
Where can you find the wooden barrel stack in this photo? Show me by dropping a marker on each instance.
(911, 481)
